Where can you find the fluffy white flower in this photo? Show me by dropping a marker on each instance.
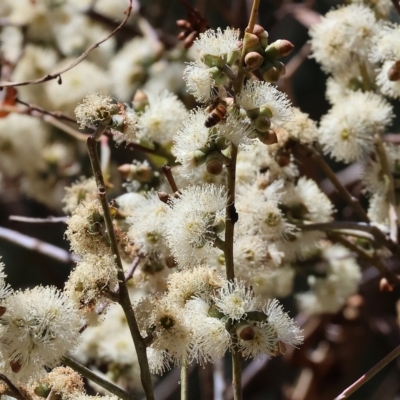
(161, 118)
(237, 130)
(307, 202)
(210, 339)
(193, 136)
(146, 225)
(347, 131)
(5, 289)
(385, 46)
(284, 326)
(265, 341)
(39, 327)
(387, 87)
(343, 37)
(373, 178)
(199, 81)
(199, 281)
(217, 43)
(301, 127)
(260, 213)
(256, 94)
(234, 299)
(128, 67)
(329, 294)
(192, 218)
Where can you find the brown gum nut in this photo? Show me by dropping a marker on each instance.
(253, 59)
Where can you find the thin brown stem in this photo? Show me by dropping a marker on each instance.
(231, 215)
(184, 380)
(30, 220)
(390, 189)
(86, 372)
(352, 201)
(370, 258)
(15, 392)
(371, 373)
(57, 74)
(28, 242)
(166, 169)
(253, 16)
(396, 5)
(124, 299)
(237, 375)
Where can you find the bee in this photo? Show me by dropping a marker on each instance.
(217, 111)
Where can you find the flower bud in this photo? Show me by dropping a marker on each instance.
(199, 157)
(42, 390)
(258, 30)
(140, 100)
(253, 60)
(385, 286)
(268, 137)
(219, 225)
(215, 313)
(219, 77)
(15, 366)
(262, 124)
(279, 49)
(245, 332)
(233, 56)
(213, 61)
(214, 163)
(273, 73)
(250, 40)
(253, 113)
(265, 111)
(394, 72)
(221, 143)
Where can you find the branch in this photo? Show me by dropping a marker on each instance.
(353, 228)
(390, 193)
(57, 74)
(81, 369)
(371, 373)
(47, 249)
(13, 389)
(34, 107)
(50, 219)
(124, 299)
(352, 201)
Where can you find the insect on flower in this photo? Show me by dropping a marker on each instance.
(218, 112)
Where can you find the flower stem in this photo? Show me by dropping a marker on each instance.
(124, 299)
(390, 192)
(86, 372)
(372, 372)
(184, 379)
(231, 215)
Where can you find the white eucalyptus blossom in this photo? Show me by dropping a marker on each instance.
(217, 43)
(328, 294)
(161, 118)
(190, 140)
(210, 339)
(260, 212)
(234, 299)
(147, 224)
(347, 131)
(388, 87)
(194, 220)
(5, 289)
(301, 127)
(374, 181)
(343, 37)
(39, 326)
(199, 81)
(263, 95)
(236, 130)
(385, 43)
(91, 284)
